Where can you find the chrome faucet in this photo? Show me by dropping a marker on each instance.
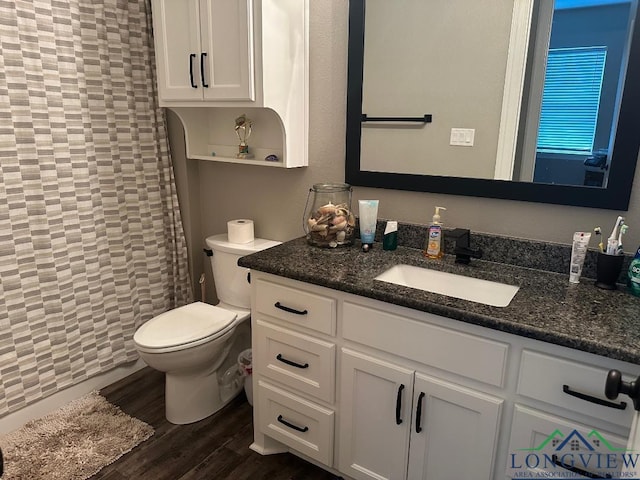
(463, 251)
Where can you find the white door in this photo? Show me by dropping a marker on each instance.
(544, 445)
(632, 470)
(454, 431)
(375, 417)
(226, 60)
(176, 28)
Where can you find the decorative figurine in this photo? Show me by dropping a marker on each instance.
(243, 131)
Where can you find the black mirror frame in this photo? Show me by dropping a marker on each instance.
(623, 163)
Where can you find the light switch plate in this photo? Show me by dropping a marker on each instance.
(462, 137)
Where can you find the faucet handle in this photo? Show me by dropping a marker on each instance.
(463, 251)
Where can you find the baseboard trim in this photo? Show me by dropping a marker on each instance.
(40, 408)
(266, 451)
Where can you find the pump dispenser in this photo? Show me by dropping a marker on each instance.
(434, 249)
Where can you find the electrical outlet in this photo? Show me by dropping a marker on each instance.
(462, 137)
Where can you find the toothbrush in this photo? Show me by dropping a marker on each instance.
(614, 232)
(623, 230)
(598, 232)
(612, 242)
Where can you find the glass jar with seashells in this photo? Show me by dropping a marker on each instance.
(328, 221)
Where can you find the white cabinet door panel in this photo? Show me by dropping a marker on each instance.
(454, 431)
(227, 46)
(373, 445)
(177, 37)
(546, 445)
(633, 445)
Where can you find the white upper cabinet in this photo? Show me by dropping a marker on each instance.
(204, 49)
(247, 55)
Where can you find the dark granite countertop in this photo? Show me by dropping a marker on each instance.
(547, 307)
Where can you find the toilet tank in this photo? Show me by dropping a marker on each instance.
(231, 282)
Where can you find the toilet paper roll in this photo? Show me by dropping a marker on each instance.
(240, 231)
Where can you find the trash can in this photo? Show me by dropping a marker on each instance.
(246, 368)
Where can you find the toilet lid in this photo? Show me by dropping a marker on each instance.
(183, 325)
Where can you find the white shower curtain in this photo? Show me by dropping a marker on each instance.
(91, 240)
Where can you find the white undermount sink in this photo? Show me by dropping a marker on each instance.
(458, 286)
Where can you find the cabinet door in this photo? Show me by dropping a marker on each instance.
(176, 29)
(633, 445)
(454, 431)
(546, 446)
(227, 57)
(375, 417)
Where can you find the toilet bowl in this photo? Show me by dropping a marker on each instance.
(197, 345)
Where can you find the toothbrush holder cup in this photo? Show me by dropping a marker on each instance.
(608, 269)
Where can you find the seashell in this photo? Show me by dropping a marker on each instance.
(328, 209)
(338, 227)
(352, 220)
(312, 222)
(320, 228)
(340, 236)
(338, 219)
(324, 219)
(333, 244)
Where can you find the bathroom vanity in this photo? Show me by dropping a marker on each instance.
(375, 380)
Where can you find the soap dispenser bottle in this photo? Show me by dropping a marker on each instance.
(434, 247)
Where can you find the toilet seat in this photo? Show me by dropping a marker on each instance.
(184, 327)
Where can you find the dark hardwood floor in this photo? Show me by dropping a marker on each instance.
(214, 448)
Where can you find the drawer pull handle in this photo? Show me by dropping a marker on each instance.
(583, 396)
(419, 412)
(191, 57)
(399, 404)
(290, 362)
(577, 470)
(289, 309)
(291, 425)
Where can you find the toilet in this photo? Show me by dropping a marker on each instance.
(197, 345)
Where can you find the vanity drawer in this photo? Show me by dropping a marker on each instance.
(296, 360)
(553, 379)
(298, 307)
(471, 356)
(302, 425)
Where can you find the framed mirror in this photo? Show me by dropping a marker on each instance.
(457, 98)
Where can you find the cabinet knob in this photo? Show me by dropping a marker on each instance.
(615, 386)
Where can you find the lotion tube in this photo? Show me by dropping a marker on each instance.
(368, 210)
(578, 252)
